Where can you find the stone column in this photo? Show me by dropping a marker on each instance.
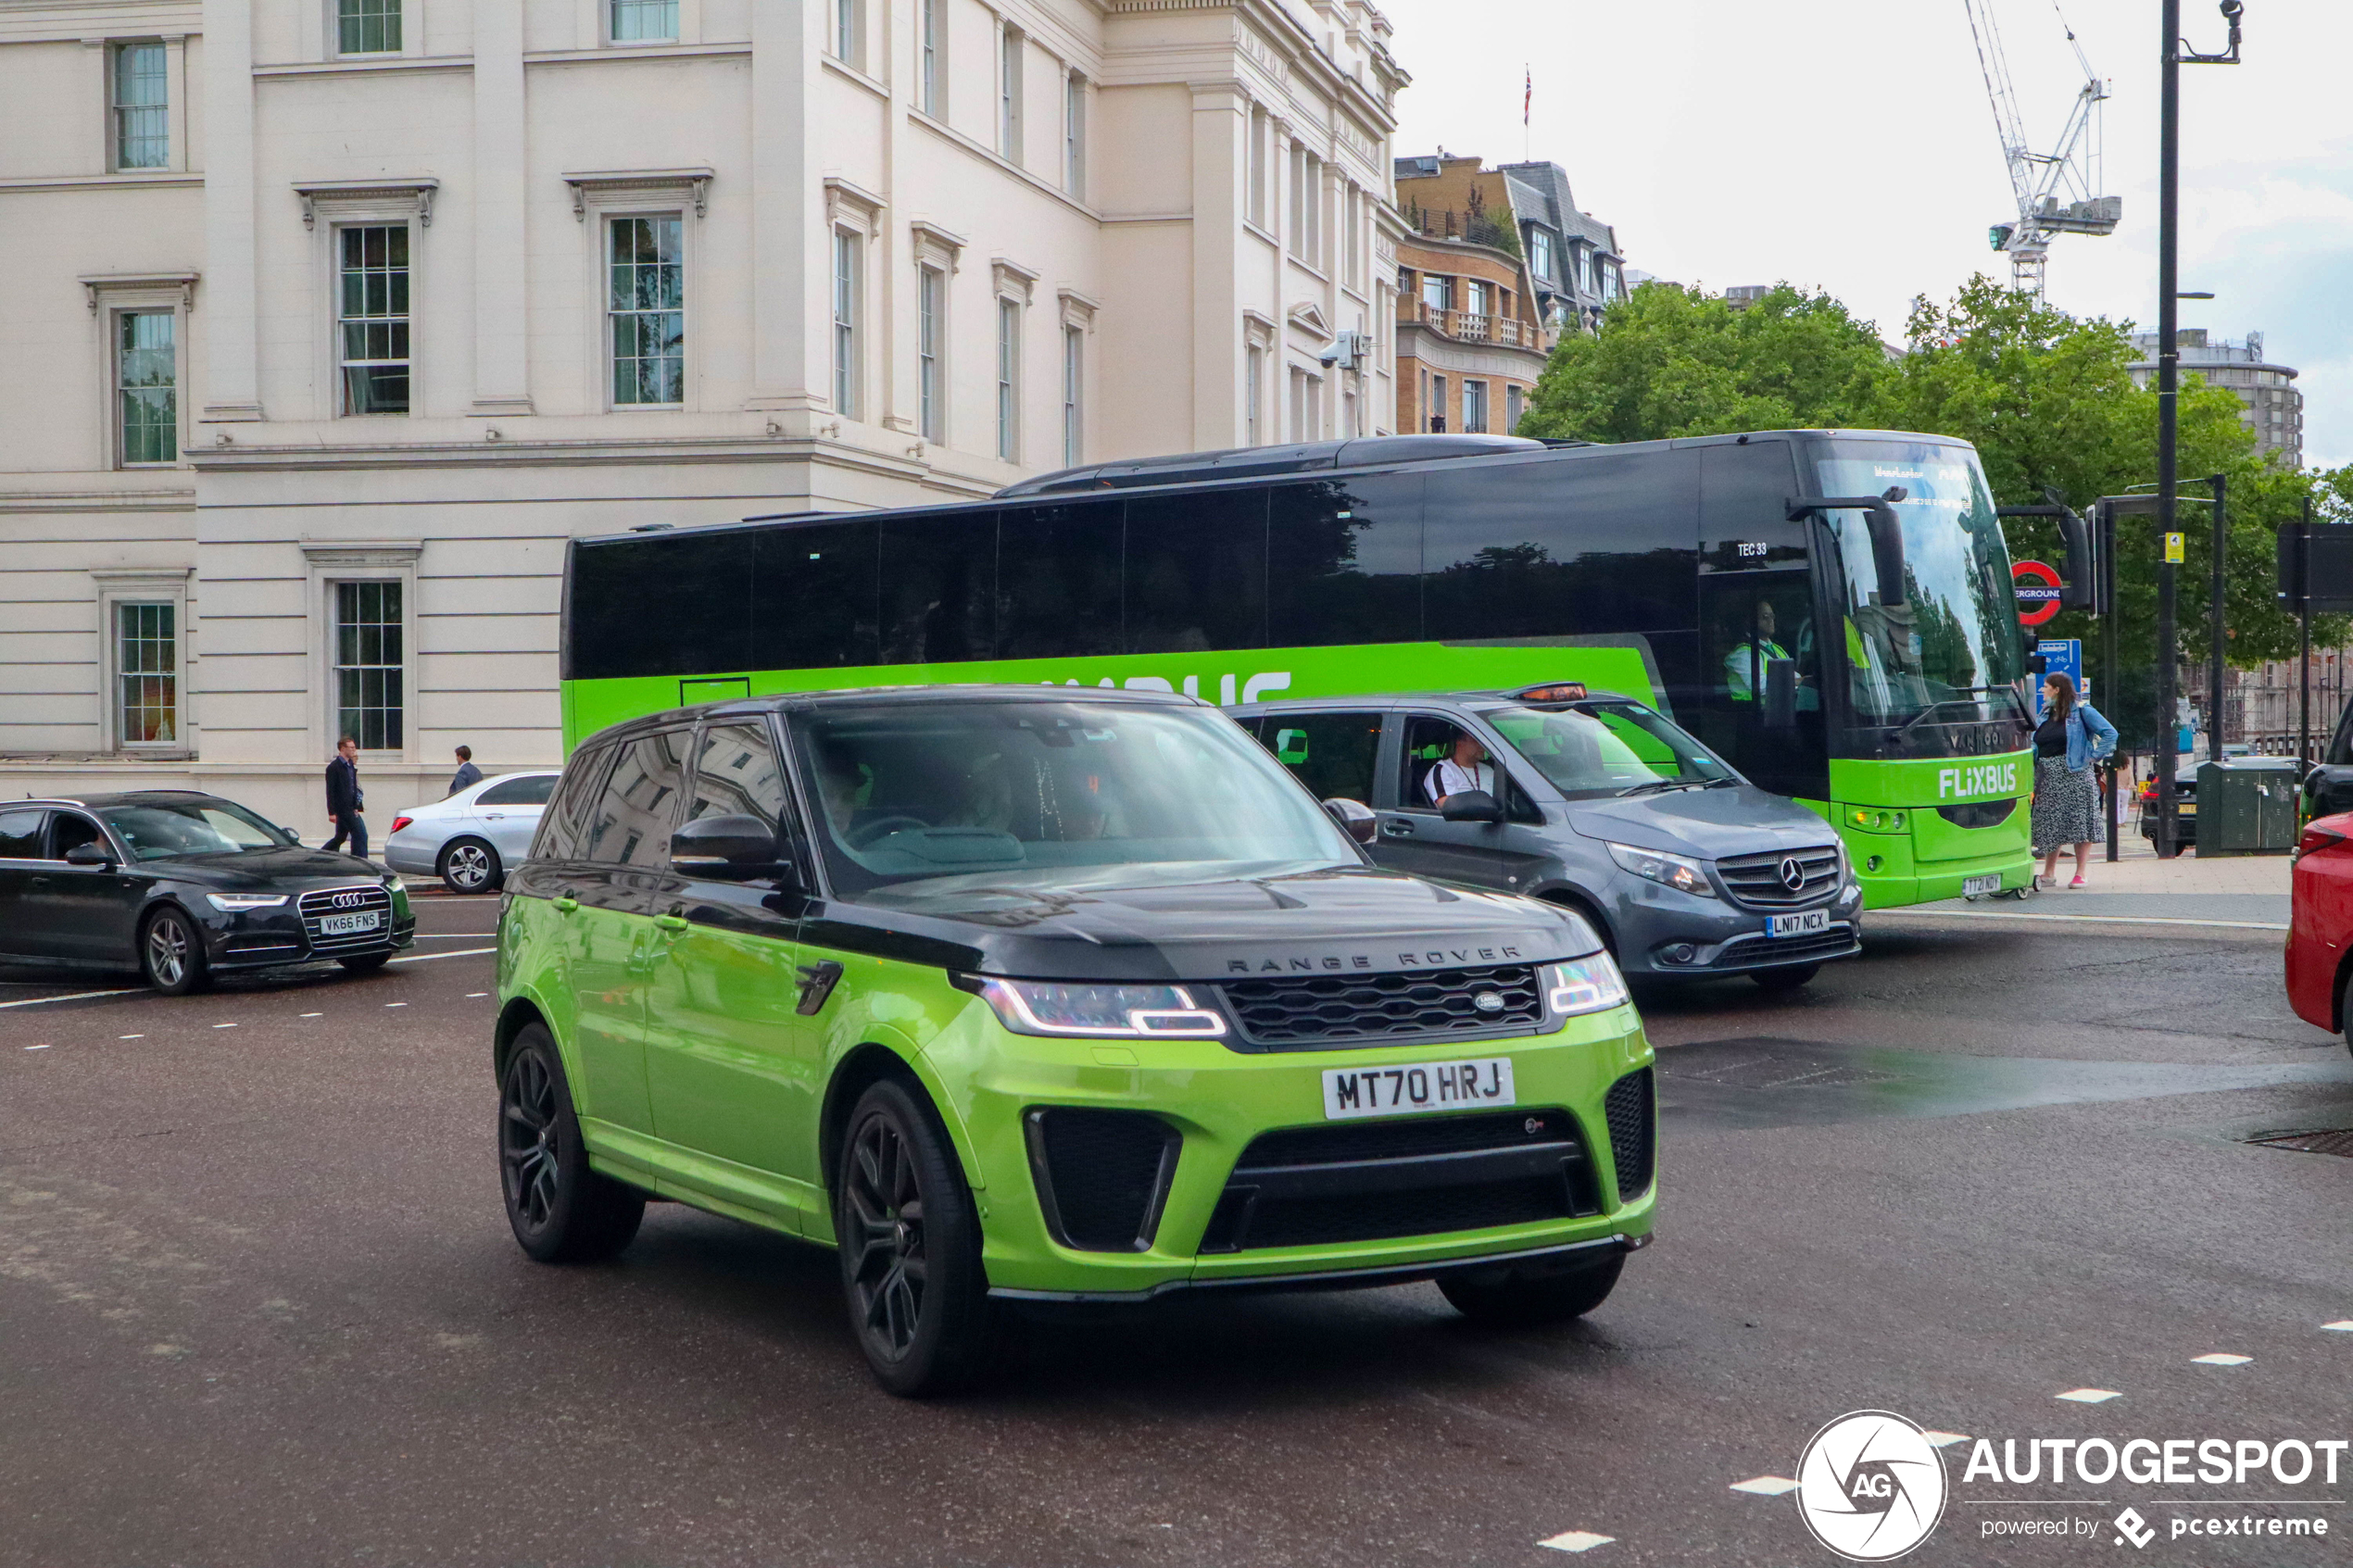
(1221, 175)
(502, 383)
(787, 211)
(233, 387)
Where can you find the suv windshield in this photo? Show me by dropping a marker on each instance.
(914, 790)
(1596, 749)
(192, 827)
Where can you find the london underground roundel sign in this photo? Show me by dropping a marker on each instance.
(2037, 587)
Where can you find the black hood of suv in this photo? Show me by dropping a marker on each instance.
(1126, 924)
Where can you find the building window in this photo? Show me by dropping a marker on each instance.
(142, 107)
(147, 662)
(931, 290)
(647, 303)
(1075, 134)
(1074, 384)
(1008, 42)
(1438, 403)
(1009, 379)
(1259, 137)
(146, 387)
(1480, 297)
(1307, 206)
(1585, 272)
(1540, 253)
(368, 27)
(1514, 405)
(644, 21)
(1315, 428)
(1438, 293)
(368, 664)
(933, 42)
(1474, 407)
(849, 31)
(375, 318)
(1252, 392)
(1348, 414)
(846, 259)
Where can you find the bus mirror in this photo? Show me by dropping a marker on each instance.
(1780, 694)
(1471, 806)
(1887, 552)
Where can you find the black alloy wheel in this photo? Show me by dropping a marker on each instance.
(1787, 978)
(469, 865)
(910, 1245)
(562, 1210)
(171, 954)
(1525, 1300)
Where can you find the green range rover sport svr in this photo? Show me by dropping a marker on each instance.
(1022, 993)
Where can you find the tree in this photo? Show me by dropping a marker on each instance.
(1671, 361)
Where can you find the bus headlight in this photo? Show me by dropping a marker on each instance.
(1589, 985)
(1045, 1007)
(1673, 870)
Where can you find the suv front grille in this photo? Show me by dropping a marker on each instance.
(1632, 1133)
(1101, 1174)
(315, 905)
(1758, 882)
(1309, 1011)
(1308, 1186)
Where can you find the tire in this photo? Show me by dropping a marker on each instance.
(909, 1247)
(562, 1210)
(1787, 978)
(1519, 1300)
(364, 963)
(470, 865)
(171, 956)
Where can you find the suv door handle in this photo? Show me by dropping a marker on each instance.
(1397, 830)
(565, 904)
(670, 923)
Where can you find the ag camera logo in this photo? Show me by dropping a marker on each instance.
(1871, 1487)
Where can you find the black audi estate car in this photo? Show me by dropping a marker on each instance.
(183, 886)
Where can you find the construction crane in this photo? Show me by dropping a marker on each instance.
(2056, 192)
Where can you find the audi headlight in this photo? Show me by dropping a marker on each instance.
(1673, 871)
(1046, 1007)
(230, 903)
(1583, 985)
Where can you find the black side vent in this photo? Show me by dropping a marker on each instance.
(1101, 1175)
(1632, 1133)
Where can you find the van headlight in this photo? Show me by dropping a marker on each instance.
(1048, 1007)
(1590, 985)
(1673, 870)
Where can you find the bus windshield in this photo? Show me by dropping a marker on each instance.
(916, 790)
(1599, 748)
(1950, 653)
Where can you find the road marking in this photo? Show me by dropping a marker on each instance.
(2086, 920)
(73, 997)
(477, 995)
(2090, 1396)
(2220, 1358)
(1943, 1439)
(36, 1048)
(311, 1015)
(2342, 1326)
(395, 1004)
(224, 1026)
(1576, 1541)
(428, 958)
(1766, 1486)
(130, 1037)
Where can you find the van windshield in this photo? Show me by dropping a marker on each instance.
(1598, 748)
(914, 790)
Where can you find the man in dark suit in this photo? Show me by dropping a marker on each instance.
(467, 772)
(344, 800)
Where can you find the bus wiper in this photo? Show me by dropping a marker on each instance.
(1962, 694)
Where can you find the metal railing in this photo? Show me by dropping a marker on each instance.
(1465, 326)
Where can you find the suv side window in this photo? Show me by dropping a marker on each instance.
(1429, 740)
(632, 822)
(561, 835)
(20, 834)
(1333, 754)
(70, 830)
(532, 791)
(738, 773)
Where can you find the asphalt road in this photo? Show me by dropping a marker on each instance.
(258, 1304)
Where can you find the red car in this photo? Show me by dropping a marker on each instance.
(2320, 933)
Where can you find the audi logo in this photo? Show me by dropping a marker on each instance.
(353, 901)
(1793, 874)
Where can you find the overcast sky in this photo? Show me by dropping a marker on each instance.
(1849, 145)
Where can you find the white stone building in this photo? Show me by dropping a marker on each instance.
(334, 319)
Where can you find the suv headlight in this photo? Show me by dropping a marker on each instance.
(1583, 985)
(1047, 1006)
(230, 903)
(1675, 871)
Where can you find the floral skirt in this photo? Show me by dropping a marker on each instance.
(2066, 806)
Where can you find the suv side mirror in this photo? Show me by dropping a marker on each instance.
(730, 848)
(1471, 806)
(1354, 815)
(96, 855)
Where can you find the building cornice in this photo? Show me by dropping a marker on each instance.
(510, 453)
(178, 499)
(171, 179)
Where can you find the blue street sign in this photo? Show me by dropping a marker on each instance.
(2062, 655)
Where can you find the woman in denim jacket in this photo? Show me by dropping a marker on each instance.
(2067, 803)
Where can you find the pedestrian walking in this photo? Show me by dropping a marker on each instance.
(2072, 736)
(467, 772)
(345, 800)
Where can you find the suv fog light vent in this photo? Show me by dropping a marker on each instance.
(1679, 952)
(1101, 1175)
(1631, 1126)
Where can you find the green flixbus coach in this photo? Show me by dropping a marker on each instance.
(1829, 609)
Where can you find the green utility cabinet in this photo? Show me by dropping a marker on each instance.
(2246, 806)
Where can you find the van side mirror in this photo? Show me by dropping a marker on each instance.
(1354, 816)
(730, 848)
(1471, 806)
(96, 855)
(1780, 694)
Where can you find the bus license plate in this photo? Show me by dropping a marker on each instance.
(1413, 1086)
(1971, 886)
(1812, 923)
(347, 925)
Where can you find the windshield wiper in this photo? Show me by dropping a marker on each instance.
(1962, 695)
(1646, 787)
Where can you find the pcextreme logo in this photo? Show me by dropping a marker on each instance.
(1871, 1487)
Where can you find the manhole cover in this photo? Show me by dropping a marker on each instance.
(2337, 1142)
